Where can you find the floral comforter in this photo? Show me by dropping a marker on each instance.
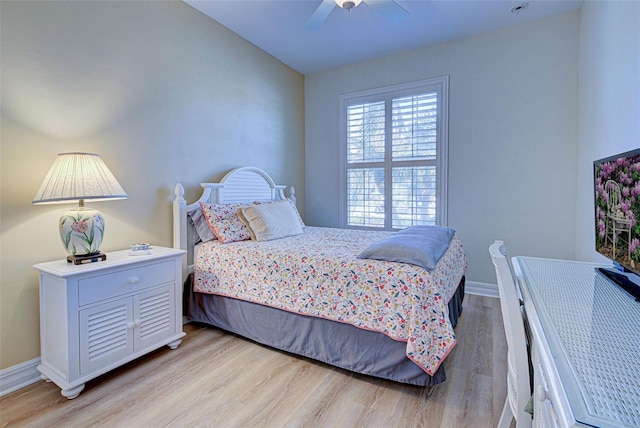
(317, 274)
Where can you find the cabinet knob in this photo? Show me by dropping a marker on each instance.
(541, 393)
(134, 323)
(134, 280)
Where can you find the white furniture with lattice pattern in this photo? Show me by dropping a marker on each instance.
(97, 316)
(585, 334)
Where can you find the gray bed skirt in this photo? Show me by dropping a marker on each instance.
(338, 344)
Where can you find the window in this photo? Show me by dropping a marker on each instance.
(393, 155)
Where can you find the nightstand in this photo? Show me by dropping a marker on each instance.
(98, 316)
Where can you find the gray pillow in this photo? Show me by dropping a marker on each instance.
(416, 245)
(201, 225)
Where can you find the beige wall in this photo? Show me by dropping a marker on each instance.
(161, 92)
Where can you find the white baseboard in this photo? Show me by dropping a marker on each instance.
(481, 289)
(19, 376)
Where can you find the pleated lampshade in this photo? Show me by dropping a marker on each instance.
(80, 177)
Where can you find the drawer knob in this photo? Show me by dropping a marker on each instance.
(134, 280)
(541, 393)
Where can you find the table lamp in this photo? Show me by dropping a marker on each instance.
(80, 177)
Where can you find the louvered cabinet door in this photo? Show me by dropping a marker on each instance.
(106, 334)
(154, 316)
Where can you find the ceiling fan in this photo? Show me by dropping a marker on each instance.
(387, 8)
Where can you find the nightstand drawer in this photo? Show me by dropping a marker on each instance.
(98, 288)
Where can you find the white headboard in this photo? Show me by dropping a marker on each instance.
(245, 185)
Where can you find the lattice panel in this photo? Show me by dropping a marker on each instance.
(598, 325)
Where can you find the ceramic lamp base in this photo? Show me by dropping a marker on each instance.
(81, 231)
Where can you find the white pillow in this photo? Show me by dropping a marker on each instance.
(272, 221)
(246, 223)
(295, 210)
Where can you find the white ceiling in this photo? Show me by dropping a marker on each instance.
(279, 26)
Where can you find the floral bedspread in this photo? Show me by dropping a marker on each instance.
(317, 274)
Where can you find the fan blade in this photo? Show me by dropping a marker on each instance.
(389, 9)
(320, 14)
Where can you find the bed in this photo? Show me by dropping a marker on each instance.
(308, 293)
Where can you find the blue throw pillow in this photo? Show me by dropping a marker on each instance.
(416, 245)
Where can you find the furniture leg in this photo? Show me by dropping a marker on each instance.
(506, 416)
(72, 393)
(174, 344)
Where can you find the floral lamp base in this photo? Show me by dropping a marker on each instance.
(81, 231)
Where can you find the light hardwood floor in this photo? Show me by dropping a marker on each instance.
(217, 379)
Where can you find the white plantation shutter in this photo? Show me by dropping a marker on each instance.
(394, 144)
(414, 196)
(366, 197)
(414, 127)
(365, 132)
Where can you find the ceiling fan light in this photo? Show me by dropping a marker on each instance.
(348, 4)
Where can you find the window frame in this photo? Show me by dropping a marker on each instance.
(440, 85)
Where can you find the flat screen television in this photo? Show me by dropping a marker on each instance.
(617, 215)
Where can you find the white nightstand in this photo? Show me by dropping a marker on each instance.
(97, 316)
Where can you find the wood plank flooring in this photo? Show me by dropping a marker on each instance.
(215, 379)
